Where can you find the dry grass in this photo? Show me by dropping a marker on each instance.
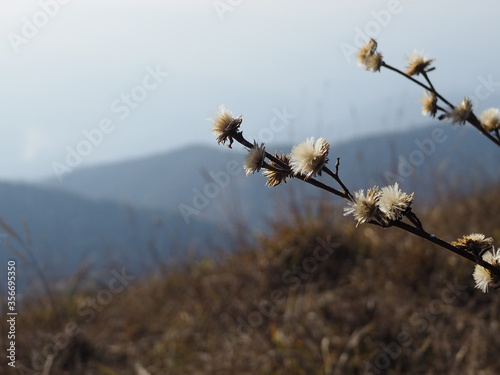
(381, 303)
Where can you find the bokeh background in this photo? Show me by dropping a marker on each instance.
(252, 56)
(142, 248)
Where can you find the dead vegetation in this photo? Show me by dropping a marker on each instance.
(316, 296)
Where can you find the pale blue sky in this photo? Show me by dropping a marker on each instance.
(77, 68)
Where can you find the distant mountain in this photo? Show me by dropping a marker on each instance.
(208, 182)
(141, 212)
(61, 231)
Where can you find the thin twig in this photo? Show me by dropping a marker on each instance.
(432, 238)
(336, 177)
(385, 65)
(472, 119)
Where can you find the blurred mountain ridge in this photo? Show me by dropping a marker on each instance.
(428, 160)
(142, 212)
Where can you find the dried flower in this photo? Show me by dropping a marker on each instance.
(365, 208)
(368, 49)
(276, 174)
(490, 119)
(308, 158)
(255, 158)
(461, 112)
(418, 63)
(482, 276)
(475, 243)
(369, 57)
(429, 105)
(393, 202)
(225, 126)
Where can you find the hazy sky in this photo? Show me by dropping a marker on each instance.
(140, 77)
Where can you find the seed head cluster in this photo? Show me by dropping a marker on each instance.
(482, 276)
(382, 206)
(224, 125)
(364, 208)
(369, 58)
(418, 64)
(255, 158)
(475, 243)
(277, 173)
(393, 202)
(309, 157)
(490, 119)
(461, 112)
(429, 105)
(389, 205)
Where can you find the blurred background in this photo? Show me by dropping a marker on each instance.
(108, 161)
(62, 77)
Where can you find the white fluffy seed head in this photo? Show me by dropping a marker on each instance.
(393, 202)
(255, 158)
(490, 119)
(364, 208)
(308, 158)
(461, 112)
(482, 276)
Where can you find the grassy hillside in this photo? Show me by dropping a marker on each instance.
(317, 296)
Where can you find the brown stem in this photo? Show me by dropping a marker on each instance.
(336, 177)
(472, 118)
(429, 81)
(428, 88)
(432, 238)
